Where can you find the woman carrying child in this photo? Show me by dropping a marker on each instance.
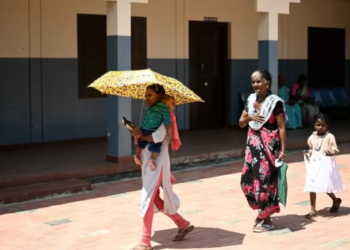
(160, 176)
(322, 171)
(159, 113)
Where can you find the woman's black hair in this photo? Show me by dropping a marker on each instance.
(321, 117)
(159, 89)
(267, 76)
(301, 78)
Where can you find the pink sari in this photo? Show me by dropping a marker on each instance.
(176, 138)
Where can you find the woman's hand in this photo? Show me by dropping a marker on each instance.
(245, 118)
(136, 132)
(256, 118)
(282, 156)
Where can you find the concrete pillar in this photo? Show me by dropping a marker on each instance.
(119, 58)
(268, 35)
(268, 45)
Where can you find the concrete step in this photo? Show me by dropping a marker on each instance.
(41, 190)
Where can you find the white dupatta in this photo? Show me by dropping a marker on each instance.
(266, 109)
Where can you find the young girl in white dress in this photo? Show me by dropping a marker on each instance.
(322, 171)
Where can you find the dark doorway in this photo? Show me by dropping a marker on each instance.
(92, 56)
(326, 57)
(92, 50)
(138, 43)
(208, 48)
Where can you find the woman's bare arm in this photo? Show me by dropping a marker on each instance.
(282, 131)
(243, 120)
(148, 138)
(136, 132)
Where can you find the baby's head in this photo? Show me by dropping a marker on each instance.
(321, 122)
(169, 101)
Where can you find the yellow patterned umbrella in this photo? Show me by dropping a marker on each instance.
(133, 84)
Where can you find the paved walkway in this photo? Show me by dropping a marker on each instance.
(108, 218)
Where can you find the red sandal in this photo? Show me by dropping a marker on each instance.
(183, 232)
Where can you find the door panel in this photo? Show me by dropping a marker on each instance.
(138, 43)
(208, 58)
(326, 53)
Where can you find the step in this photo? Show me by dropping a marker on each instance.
(41, 190)
(106, 169)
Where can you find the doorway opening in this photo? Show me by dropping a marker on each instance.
(208, 59)
(326, 57)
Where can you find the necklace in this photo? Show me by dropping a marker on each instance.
(318, 140)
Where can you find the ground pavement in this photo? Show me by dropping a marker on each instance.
(108, 218)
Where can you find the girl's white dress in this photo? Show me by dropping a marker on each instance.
(322, 174)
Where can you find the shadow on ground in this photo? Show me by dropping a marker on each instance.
(201, 237)
(343, 211)
(293, 222)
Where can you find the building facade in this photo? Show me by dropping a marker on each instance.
(45, 57)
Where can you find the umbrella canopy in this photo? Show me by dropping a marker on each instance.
(133, 84)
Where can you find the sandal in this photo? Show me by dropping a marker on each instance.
(183, 232)
(256, 222)
(262, 228)
(335, 208)
(311, 215)
(142, 247)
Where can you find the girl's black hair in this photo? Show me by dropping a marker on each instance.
(321, 117)
(265, 75)
(159, 89)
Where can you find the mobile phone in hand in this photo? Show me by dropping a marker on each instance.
(128, 124)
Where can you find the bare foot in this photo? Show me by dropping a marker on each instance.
(153, 164)
(137, 159)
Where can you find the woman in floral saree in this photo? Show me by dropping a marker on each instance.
(265, 115)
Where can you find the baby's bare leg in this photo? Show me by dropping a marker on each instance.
(152, 162)
(137, 156)
(154, 156)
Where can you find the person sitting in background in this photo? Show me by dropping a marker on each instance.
(292, 107)
(302, 93)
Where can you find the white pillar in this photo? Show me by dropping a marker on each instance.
(268, 46)
(119, 58)
(268, 35)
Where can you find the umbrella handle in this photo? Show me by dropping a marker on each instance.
(143, 105)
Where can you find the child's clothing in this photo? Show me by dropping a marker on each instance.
(154, 117)
(322, 171)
